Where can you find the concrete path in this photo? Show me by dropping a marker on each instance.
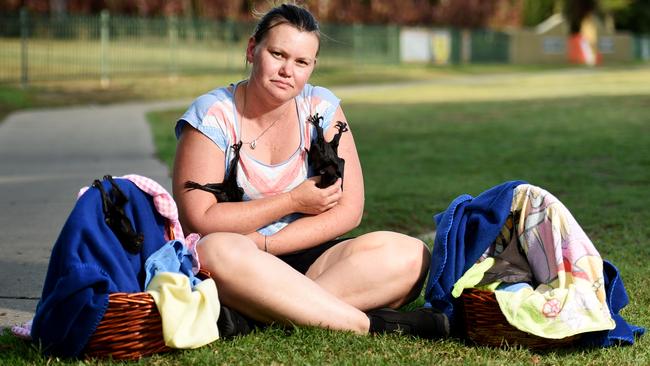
(45, 157)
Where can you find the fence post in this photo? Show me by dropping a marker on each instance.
(644, 48)
(104, 39)
(465, 46)
(173, 47)
(24, 35)
(229, 41)
(357, 44)
(393, 44)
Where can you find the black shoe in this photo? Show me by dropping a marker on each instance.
(423, 322)
(231, 323)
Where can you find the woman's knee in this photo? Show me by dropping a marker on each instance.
(401, 255)
(410, 255)
(408, 260)
(223, 252)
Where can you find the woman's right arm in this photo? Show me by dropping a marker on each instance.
(200, 160)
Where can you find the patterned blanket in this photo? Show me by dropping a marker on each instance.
(569, 294)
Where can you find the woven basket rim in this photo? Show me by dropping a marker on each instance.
(130, 329)
(486, 325)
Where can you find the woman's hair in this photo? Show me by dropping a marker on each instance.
(290, 14)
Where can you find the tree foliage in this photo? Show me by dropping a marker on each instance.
(632, 15)
(634, 18)
(576, 10)
(460, 13)
(536, 11)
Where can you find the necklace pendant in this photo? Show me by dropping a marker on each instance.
(252, 144)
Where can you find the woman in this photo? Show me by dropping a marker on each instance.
(276, 256)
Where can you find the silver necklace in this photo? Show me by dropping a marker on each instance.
(253, 142)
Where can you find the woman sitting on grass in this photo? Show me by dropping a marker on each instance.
(274, 240)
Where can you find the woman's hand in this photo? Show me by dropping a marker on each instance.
(311, 200)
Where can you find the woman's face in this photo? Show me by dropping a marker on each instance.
(283, 61)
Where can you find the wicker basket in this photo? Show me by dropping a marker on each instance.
(131, 328)
(486, 325)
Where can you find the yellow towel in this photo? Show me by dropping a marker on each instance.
(473, 276)
(189, 318)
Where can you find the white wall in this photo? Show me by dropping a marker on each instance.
(425, 45)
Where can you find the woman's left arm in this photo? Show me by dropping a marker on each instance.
(309, 231)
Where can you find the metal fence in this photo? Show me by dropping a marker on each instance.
(479, 46)
(77, 47)
(490, 46)
(40, 48)
(642, 47)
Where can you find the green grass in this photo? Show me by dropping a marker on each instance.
(129, 88)
(156, 86)
(303, 346)
(593, 152)
(584, 136)
(12, 99)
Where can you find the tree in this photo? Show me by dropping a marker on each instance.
(634, 18)
(464, 13)
(577, 10)
(609, 7)
(536, 11)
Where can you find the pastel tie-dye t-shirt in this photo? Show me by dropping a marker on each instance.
(214, 115)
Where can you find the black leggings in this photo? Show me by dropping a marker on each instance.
(302, 260)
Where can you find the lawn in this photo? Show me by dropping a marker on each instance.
(584, 136)
(156, 86)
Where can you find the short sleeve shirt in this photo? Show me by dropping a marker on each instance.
(214, 115)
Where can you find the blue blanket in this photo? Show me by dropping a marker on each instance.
(463, 232)
(87, 264)
(617, 299)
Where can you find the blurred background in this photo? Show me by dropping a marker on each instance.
(43, 40)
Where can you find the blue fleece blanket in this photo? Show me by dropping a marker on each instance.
(87, 264)
(624, 333)
(463, 232)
